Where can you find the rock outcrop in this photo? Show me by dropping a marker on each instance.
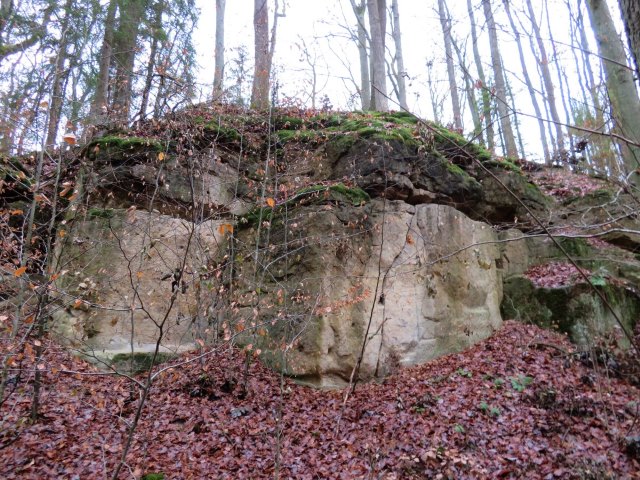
(415, 281)
(330, 245)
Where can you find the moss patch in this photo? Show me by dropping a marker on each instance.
(101, 213)
(338, 192)
(138, 362)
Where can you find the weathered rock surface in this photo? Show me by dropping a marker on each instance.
(415, 281)
(573, 308)
(329, 237)
(119, 290)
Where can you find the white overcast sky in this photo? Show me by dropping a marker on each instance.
(318, 23)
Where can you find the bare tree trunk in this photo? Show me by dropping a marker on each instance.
(543, 62)
(563, 98)
(445, 22)
(516, 123)
(262, 69)
(153, 51)
(486, 98)
(620, 83)
(218, 76)
(471, 97)
(529, 84)
(59, 79)
(631, 15)
(435, 107)
(377, 24)
(399, 58)
(362, 41)
(101, 97)
(503, 111)
(124, 55)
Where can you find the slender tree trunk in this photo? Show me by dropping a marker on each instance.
(377, 24)
(529, 84)
(59, 79)
(620, 83)
(153, 53)
(124, 55)
(631, 15)
(471, 97)
(262, 72)
(486, 97)
(543, 61)
(563, 98)
(218, 76)
(516, 123)
(360, 10)
(445, 23)
(101, 97)
(432, 94)
(503, 111)
(399, 59)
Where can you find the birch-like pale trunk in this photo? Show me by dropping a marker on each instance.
(529, 84)
(510, 148)
(486, 97)
(377, 25)
(218, 76)
(399, 58)
(445, 23)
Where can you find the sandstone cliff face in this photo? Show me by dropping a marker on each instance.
(332, 237)
(410, 282)
(120, 270)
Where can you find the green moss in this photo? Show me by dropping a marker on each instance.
(504, 163)
(449, 144)
(355, 195)
(101, 213)
(138, 362)
(153, 476)
(339, 145)
(455, 169)
(285, 136)
(223, 133)
(288, 123)
(397, 117)
(126, 143)
(338, 192)
(576, 247)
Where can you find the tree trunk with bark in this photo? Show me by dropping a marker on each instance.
(529, 84)
(445, 23)
(101, 97)
(510, 147)
(482, 82)
(622, 91)
(124, 55)
(631, 15)
(362, 41)
(543, 62)
(377, 24)
(218, 76)
(399, 58)
(60, 76)
(263, 52)
(156, 32)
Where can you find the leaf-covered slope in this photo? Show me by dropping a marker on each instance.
(518, 405)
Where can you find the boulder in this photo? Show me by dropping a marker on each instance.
(118, 289)
(412, 282)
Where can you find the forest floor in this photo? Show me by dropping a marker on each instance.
(521, 404)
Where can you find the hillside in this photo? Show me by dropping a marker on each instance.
(208, 267)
